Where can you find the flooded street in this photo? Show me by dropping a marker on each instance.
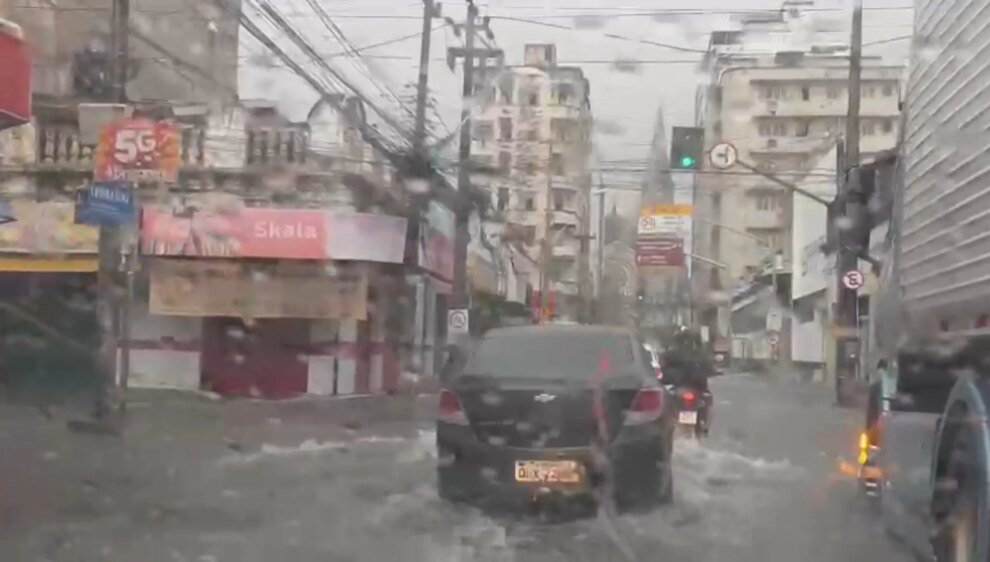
(319, 486)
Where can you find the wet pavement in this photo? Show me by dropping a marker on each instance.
(200, 480)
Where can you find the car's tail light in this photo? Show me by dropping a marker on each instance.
(449, 408)
(646, 406)
(688, 396)
(659, 373)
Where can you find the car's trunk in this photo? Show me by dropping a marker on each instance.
(533, 413)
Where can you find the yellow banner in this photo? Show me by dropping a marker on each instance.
(288, 289)
(676, 209)
(47, 228)
(42, 265)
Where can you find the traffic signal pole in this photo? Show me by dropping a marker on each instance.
(846, 317)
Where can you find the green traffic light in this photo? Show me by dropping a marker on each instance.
(687, 162)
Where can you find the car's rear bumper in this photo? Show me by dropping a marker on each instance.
(634, 462)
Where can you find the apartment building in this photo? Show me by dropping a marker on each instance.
(532, 128)
(781, 100)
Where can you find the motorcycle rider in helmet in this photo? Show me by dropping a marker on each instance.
(687, 363)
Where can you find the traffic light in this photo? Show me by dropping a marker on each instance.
(687, 146)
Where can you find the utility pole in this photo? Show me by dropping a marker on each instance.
(107, 397)
(846, 322)
(462, 296)
(546, 247)
(465, 191)
(431, 10)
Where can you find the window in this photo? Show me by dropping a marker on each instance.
(802, 128)
(505, 127)
(505, 161)
(869, 92)
(772, 239)
(558, 201)
(562, 93)
(528, 203)
(767, 202)
(889, 90)
(549, 355)
(867, 128)
(888, 126)
(557, 164)
(834, 92)
(778, 129)
(765, 130)
(534, 98)
(775, 92)
(806, 93)
(503, 199)
(532, 135)
(482, 132)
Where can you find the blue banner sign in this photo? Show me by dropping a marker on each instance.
(106, 203)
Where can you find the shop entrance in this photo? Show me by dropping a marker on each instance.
(263, 359)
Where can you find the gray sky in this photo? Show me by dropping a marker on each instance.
(624, 103)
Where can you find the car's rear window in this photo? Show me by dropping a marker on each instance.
(551, 356)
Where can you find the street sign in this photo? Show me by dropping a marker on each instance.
(106, 203)
(668, 251)
(723, 156)
(852, 279)
(138, 150)
(457, 321)
(664, 219)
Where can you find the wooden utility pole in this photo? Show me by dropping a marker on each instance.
(431, 10)
(846, 320)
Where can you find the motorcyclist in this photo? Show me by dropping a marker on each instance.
(687, 364)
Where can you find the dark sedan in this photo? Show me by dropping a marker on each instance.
(541, 413)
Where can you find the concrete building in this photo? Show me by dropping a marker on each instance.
(177, 54)
(780, 98)
(532, 126)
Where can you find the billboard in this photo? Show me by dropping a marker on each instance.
(218, 227)
(190, 287)
(46, 227)
(664, 219)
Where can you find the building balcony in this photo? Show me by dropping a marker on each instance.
(765, 220)
(565, 218)
(60, 147)
(567, 250)
(880, 106)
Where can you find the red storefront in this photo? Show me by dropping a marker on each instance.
(15, 75)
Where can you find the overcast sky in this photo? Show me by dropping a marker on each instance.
(625, 104)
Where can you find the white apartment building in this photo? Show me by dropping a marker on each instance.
(781, 100)
(532, 126)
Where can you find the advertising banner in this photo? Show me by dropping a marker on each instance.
(188, 287)
(436, 251)
(668, 251)
(137, 150)
(222, 228)
(46, 228)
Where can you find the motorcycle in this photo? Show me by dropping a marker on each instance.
(693, 412)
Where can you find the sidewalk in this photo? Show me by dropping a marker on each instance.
(169, 445)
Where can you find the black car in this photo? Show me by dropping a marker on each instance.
(537, 413)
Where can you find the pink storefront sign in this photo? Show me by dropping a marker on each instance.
(227, 231)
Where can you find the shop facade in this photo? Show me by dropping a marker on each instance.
(266, 302)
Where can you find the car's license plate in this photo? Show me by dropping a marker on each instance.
(689, 418)
(564, 472)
